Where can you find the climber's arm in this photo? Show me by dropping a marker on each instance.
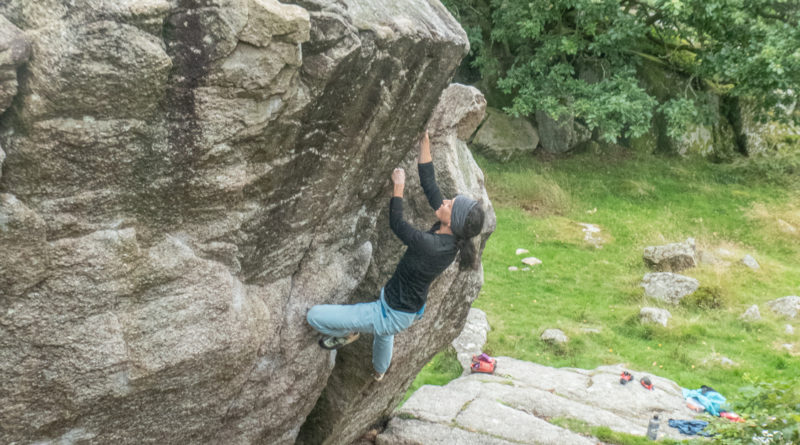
(425, 149)
(427, 177)
(407, 233)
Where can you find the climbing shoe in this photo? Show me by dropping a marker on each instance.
(483, 363)
(378, 376)
(646, 383)
(328, 342)
(625, 378)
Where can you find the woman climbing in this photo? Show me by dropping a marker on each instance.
(402, 299)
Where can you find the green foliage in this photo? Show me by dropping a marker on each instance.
(443, 368)
(705, 297)
(771, 411)
(580, 57)
(779, 167)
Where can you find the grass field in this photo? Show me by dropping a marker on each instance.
(640, 200)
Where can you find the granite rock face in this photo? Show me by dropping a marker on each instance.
(182, 181)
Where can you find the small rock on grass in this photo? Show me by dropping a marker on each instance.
(751, 314)
(531, 261)
(673, 257)
(786, 306)
(513, 268)
(720, 359)
(521, 251)
(554, 336)
(654, 315)
(668, 287)
(706, 257)
(785, 227)
(750, 262)
(789, 329)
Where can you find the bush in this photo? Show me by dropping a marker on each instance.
(706, 297)
(777, 167)
(771, 411)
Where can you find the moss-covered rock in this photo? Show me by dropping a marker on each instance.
(502, 136)
(759, 137)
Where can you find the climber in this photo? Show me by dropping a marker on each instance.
(402, 300)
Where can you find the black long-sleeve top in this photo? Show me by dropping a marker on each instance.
(428, 253)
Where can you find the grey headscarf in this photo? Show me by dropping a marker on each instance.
(458, 214)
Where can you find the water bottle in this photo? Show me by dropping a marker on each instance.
(652, 428)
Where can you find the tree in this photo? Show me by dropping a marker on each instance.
(580, 57)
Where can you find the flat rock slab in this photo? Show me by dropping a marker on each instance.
(514, 405)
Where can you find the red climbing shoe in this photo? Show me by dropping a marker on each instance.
(483, 363)
(646, 383)
(625, 378)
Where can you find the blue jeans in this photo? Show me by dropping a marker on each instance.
(376, 318)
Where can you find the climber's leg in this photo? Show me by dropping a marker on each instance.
(339, 320)
(390, 323)
(382, 346)
(377, 318)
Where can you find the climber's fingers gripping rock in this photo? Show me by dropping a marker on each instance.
(399, 176)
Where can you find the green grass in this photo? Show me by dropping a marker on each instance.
(640, 200)
(443, 368)
(609, 436)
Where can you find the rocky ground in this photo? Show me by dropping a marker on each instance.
(517, 403)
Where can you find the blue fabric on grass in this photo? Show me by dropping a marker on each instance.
(689, 427)
(712, 401)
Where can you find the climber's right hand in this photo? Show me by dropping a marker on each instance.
(399, 176)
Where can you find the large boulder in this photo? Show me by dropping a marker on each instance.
(502, 136)
(560, 136)
(182, 181)
(673, 257)
(757, 136)
(515, 405)
(668, 287)
(715, 138)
